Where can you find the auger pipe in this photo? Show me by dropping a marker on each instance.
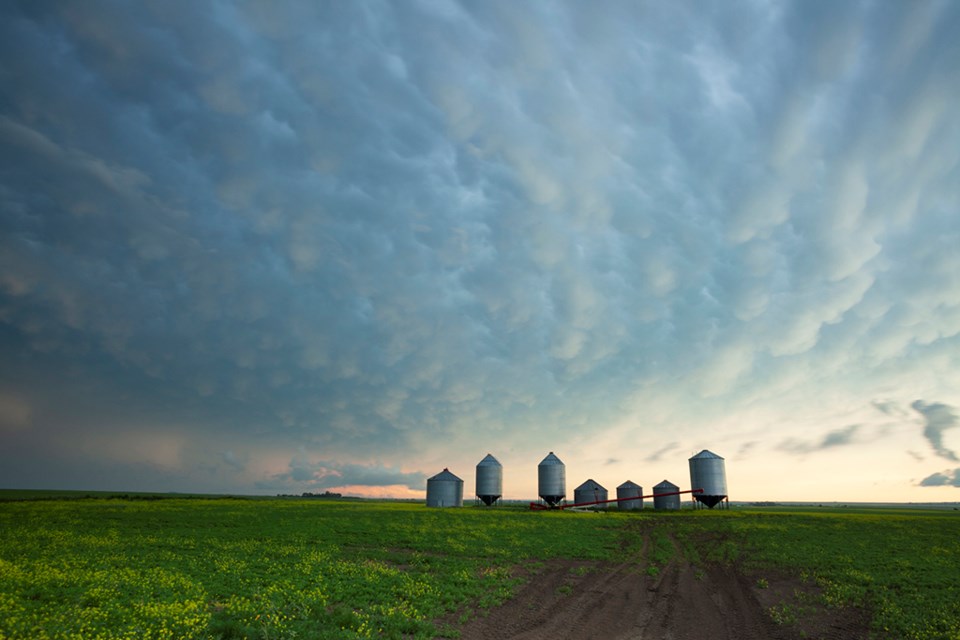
(536, 506)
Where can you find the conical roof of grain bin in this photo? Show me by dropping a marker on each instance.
(552, 480)
(666, 501)
(630, 490)
(707, 472)
(444, 490)
(590, 491)
(489, 480)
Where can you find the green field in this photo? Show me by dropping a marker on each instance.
(306, 568)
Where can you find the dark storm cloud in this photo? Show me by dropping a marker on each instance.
(938, 417)
(370, 230)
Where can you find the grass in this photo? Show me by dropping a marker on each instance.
(223, 568)
(902, 566)
(7, 495)
(299, 568)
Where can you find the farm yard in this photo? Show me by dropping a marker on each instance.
(301, 568)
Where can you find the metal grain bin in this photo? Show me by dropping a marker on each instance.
(444, 490)
(630, 490)
(590, 491)
(666, 502)
(489, 480)
(707, 472)
(552, 476)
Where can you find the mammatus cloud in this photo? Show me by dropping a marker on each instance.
(389, 234)
(944, 479)
(837, 438)
(938, 418)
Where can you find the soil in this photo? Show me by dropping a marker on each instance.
(582, 600)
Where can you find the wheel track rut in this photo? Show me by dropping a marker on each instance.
(586, 600)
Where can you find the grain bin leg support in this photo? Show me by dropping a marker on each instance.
(536, 506)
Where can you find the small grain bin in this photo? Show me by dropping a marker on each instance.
(666, 501)
(630, 490)
(552, 480)
(444, 490)
(489, 480)
(590, 491)
(707, 472)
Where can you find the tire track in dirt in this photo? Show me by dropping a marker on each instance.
(583, 600)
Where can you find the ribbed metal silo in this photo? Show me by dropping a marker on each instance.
(590, 491)
(707, 472)
(666, 502)
(489, 480)
(552, 477)
(630, 490)
(444, 490)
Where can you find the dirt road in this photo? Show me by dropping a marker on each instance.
(581, 600)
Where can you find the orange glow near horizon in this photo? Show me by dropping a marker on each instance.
(393, 491)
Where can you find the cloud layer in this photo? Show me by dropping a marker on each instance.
(937, 419)
(297, 241)
(947, 478)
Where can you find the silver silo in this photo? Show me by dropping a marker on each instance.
(552, 476)
(666, 502)
(630, 490)
(707, 472)
(489, 480)
(590, 491)
(444, 490)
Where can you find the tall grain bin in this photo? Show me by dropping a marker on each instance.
(552, 476)
(444, 490)
(707, 472)
(666, 502)
(590, 491)
(630, 490)
(489, 480)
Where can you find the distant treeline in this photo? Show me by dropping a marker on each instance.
(30, 496)
(307, 494)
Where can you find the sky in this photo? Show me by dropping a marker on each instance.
(277, 247)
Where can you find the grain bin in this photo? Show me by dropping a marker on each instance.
(489, 480)
(630, 490)
(707, 472)
(666, 501)
(552, 476)
(444, 490)
(590, 491)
